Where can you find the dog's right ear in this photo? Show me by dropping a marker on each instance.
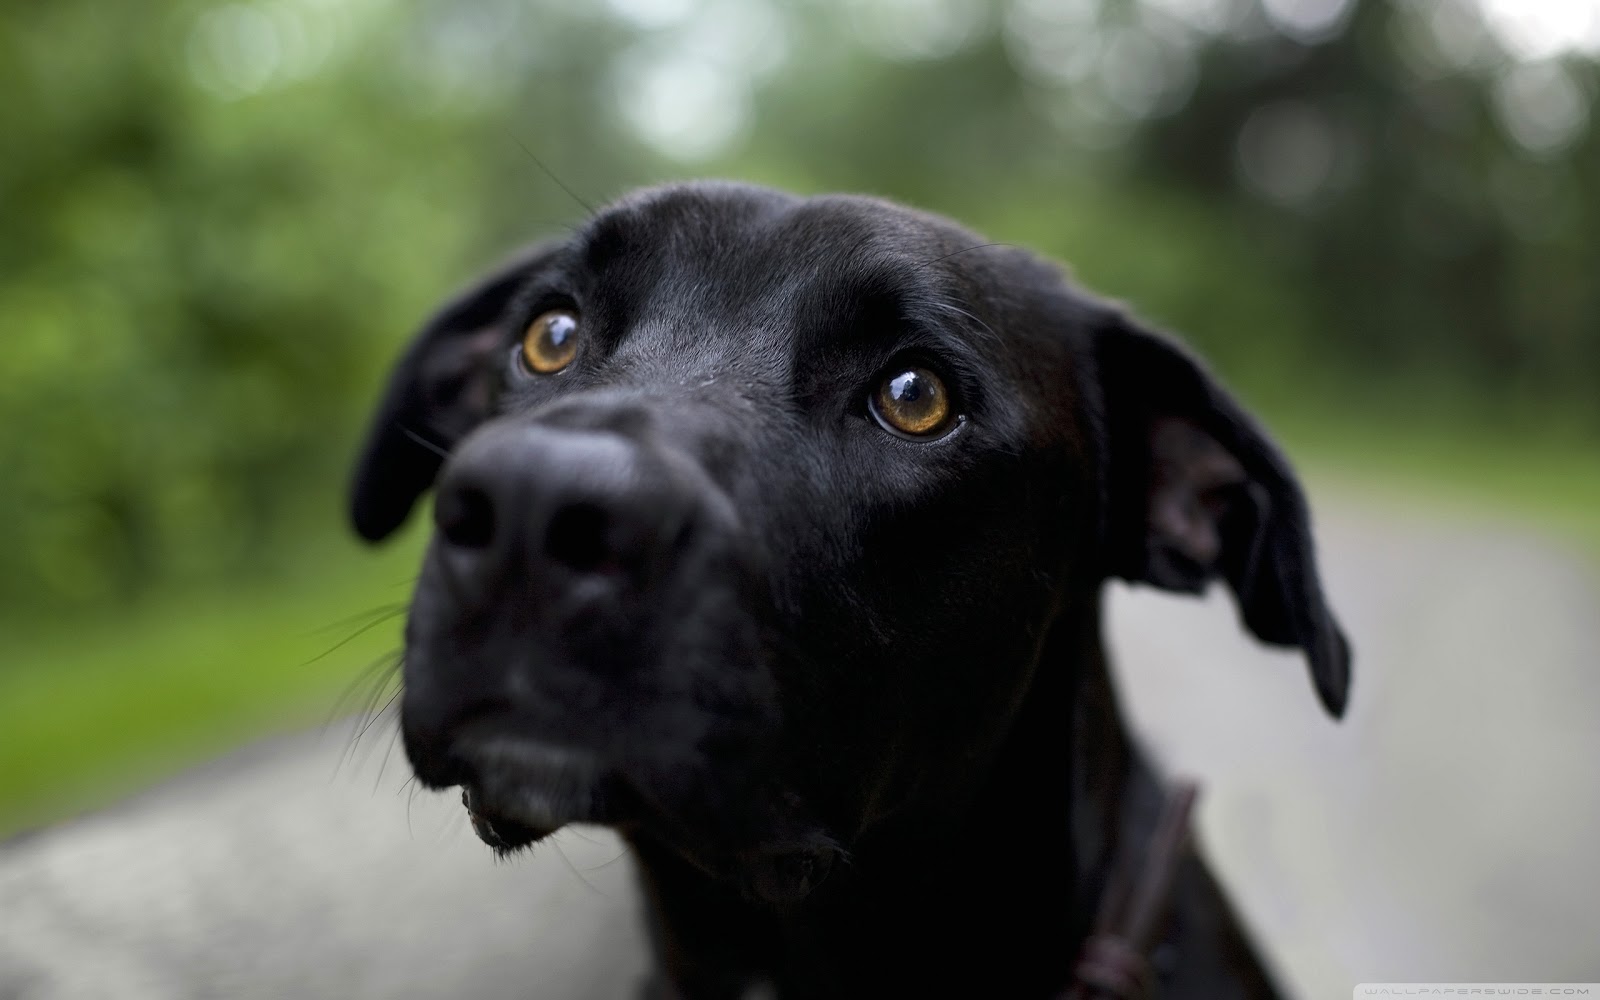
(1198, 491)
(439, 391)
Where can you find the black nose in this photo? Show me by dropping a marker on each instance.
(552, 502)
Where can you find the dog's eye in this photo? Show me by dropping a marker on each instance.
(913, 402)
(551, 341)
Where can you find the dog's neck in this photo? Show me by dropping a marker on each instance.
(1015, 874)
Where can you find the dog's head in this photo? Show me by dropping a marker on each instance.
(753, 512)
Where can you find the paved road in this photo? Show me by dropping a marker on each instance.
(1449, 830)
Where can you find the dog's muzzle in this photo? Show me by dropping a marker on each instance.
(567, 565)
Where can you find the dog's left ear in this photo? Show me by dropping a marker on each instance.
(1197, 491)
(441, 388)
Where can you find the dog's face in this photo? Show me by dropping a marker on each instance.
(753, 513)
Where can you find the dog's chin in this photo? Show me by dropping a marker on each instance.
(499, 831)
(521, 791)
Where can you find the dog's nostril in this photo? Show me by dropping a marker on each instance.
(577, 538)
(466, 517)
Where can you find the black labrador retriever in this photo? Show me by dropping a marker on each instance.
(771, 531)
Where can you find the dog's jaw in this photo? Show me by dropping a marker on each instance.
(505, 835)
(524, 790)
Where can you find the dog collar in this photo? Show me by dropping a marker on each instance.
(1114, 963)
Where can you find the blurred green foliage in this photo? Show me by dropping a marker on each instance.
(102, 709)
(221, 219)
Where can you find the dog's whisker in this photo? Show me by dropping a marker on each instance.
(419, 439)
(410, 798)
(378, 676)
(390, 722)
(375, 674)
(380, 612)
(379, 617)
(952, 307)
(606, 864)
(956, 253)
(573, 868)
(375, 716)
(588, 208)
(394, 737)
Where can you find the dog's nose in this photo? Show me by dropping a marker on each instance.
(554, 502)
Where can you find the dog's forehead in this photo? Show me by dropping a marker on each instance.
(735, 247)
(691, 220)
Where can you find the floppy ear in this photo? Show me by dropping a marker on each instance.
(441, 389)
(1197, 491)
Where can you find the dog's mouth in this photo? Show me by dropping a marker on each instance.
(521, 790)
(518, 790)
(497, 830)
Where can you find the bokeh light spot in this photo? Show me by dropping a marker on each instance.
(1286, 152)
(1541, 106)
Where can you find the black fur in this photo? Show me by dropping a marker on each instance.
(842, 691)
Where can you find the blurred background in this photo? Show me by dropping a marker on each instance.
(1379, 219)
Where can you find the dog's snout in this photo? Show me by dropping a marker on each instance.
(465, 516)
(554, 503)
(580, 538)
(560, 549)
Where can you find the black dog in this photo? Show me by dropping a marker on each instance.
(771, 532)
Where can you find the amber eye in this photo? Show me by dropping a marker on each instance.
(913, 402)
(551, 341)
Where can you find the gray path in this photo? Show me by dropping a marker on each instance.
(1449, 830)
